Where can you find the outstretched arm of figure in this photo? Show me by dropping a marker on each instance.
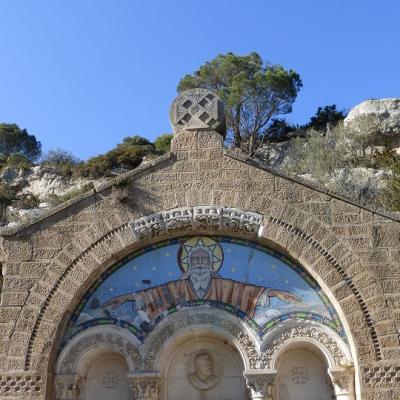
(118, 300)
(284, 296)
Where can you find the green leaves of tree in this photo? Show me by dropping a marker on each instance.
(14, 140)
(253, 92)
(126, 155)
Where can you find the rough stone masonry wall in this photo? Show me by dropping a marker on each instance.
(353, 252)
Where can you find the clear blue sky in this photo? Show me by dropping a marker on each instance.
(83, 74)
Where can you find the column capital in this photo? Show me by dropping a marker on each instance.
(260, 383)
(343, 381)
(145, 385)
(68, 387)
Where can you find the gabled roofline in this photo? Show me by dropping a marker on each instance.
(234, 154)
(239, 156)
(4, 231)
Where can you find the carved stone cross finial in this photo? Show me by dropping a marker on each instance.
(198, 109)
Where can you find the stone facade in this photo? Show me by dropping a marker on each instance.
(201, 188)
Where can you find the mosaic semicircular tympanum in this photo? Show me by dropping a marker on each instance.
(260, 286)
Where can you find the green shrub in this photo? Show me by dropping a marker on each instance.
(55, 199)
(163, 143)
(127, 155)
(13, 140)
(95, 167)
(343, 146)
(26, 201)
(7, 194)
(61, 160)
(329, 159)
(324, 116)
(17, 160)
(391, 195)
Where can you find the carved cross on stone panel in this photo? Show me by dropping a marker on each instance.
(300, 375)
(110, 380)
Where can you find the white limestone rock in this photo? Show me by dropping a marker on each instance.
(275, 155)
(386, 113)
(41, 183)
(357, 184)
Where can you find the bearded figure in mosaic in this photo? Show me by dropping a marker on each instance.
(200, 261)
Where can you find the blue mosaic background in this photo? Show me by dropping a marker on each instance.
(243, 261)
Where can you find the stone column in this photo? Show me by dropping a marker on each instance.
(145, 385)
(260, 383)
(343, 382)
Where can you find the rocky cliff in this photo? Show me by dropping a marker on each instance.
(37, 189)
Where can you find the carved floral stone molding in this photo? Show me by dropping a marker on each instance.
(70, 360)
(187, 318)
(282, 337)
(204, 218)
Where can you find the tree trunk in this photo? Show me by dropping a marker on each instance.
(236, 129)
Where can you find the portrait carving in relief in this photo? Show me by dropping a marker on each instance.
(204, 370)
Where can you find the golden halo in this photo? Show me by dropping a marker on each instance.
(217, 255)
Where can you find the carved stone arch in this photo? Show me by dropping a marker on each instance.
(312, 245)
(331, 345)
(107, 337)
(83, 351)
(319, 340)
(195, 320)
(85, 260)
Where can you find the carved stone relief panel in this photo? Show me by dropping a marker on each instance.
(145, 385)
(302, 376)
(69, 360)
(275, 342)
(201, 317)
(107, 380)
(208, 218)
(197, 109)
(205, 369)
